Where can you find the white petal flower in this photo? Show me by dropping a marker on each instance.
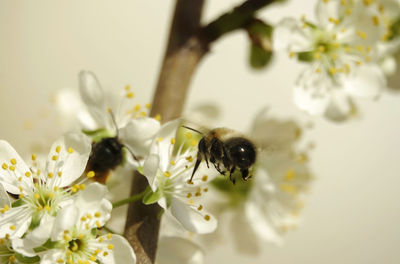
(7, 253)
(74, 237)
(118, 117)
(42, 190)
(269, 203)
(168, 169)
(342, 49)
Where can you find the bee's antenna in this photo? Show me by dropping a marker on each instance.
(193, 130)
(113, 120)
(130, 151)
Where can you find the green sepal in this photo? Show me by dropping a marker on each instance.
(93, 232)
(98, 134)
(311, 25)
(17, 203)
(306, 56)
(238, 192)
(140, 170)
(23, 259)
(394, 29)
(259, 57)
(151, 197)
(260, 29)
(35, 222)
(46, 246)
(260, 43)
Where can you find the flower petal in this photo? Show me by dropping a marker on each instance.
(368, 81)
(122, 252)
(138, 134)
(52, 256)
(4, 198)
(289, 35)
(273, 134)
(325, 11)
(69, 155)
(162, 144)
(35, 238)
(192, 219)
(245, 238)
(91, 201)
(13, 168)
(260, 223)
(151, 169)
(311, 93)
(93, 96)
(172, 250)
(66, 218)
(340, 106)
(15, 222)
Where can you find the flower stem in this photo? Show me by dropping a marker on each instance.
(128, 200)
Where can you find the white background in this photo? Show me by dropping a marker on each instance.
(353, 211)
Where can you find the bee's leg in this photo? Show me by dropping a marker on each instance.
(245, 174)
(196, 165)
(231, 171)
(216, 153)
(216, 166)
(201, 152)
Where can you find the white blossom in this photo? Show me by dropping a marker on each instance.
(168, 169)
(132, 126)
(269, 204)
(341, 49)
(42, 189)
(74, 237)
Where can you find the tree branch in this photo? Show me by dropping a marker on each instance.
(181, 59)
(238, 18)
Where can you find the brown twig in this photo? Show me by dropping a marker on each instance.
(187, 45)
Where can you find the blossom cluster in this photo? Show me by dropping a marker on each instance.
(48, 214)
(55, 209)
(348, 51)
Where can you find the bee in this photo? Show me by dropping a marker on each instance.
(227, 150)
(106, 155)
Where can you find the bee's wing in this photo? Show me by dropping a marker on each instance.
(274, 135)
